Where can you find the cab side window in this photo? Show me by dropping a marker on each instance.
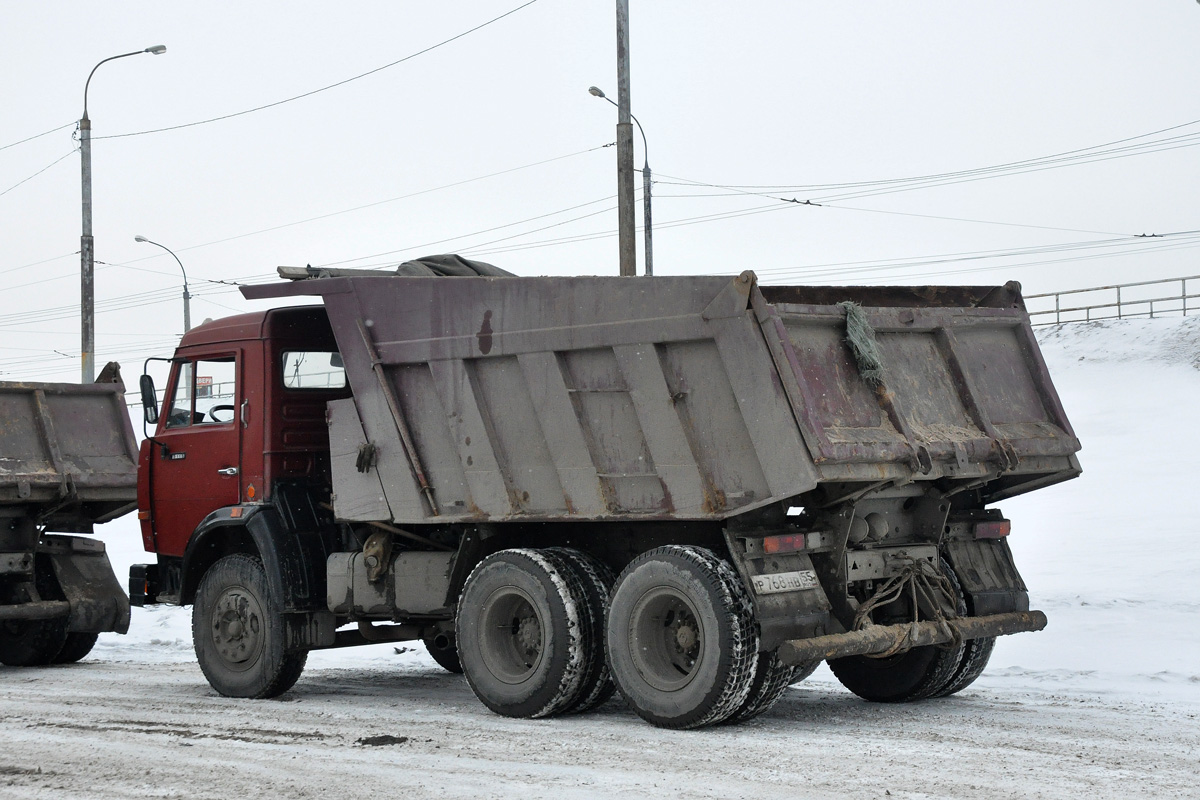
(205, 394)
(180, 414)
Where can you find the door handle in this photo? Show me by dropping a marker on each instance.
(228, 471)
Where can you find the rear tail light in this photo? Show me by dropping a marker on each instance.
(783, 544)
(992, 530)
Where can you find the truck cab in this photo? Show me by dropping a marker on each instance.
(243, 414)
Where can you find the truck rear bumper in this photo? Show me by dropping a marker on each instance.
(882, 638)
(43, 609)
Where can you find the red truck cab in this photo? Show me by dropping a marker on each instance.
(243, 412)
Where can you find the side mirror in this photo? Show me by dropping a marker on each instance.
(149, 400)
(335, 360)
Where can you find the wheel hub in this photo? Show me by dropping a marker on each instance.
(666, 639)
(528, 634)
(237, 624)
(513, 637)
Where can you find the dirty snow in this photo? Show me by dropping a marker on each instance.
(1103, 704)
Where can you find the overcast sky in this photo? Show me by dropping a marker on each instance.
(745, 106)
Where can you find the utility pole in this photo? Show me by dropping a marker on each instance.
(625, 212)
(87, 250)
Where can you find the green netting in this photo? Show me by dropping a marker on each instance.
(861, 338)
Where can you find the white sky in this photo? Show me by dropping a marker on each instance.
(779, 92)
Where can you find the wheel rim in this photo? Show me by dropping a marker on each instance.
(237, 628)
(666, 639)
(513, 640)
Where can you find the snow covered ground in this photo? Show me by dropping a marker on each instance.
(1105, 703)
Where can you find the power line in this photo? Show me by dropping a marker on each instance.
(39, 135)
(490, 230)
(395, 199)
(39, 172)
(815, 204)
(452, 185)
(38, 263)
(1069, 155)
(323, 88)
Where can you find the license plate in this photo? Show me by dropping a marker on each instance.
(785, 582)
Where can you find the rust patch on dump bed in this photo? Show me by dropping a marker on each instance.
(485, 334)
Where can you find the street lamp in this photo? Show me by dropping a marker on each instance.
(596, 92)
(87, 254)
(187, 307)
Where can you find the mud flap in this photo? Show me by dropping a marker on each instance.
(789, 601)
(98, 603)
(988, 576)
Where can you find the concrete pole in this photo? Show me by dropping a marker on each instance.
(625, 205)
(87, 256)
(87, 250)
(646, 205)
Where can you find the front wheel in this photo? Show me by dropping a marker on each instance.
(682, 644)
(237, 630)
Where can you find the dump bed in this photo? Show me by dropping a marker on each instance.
(67, 454)
(675, 398)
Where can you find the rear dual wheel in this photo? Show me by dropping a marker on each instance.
(529, 629)
(38, 642)
(32, 643)
(922, 672)
(682, 644)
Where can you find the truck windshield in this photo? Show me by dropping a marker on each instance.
(313, 369)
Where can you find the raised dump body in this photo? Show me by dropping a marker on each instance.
(68, 461)
(698, 398)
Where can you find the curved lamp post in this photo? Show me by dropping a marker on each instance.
(87, 254)
(187, 307)
(596, 92)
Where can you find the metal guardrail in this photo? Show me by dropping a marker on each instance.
(1145, 299)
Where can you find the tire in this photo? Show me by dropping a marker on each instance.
(237, 630)
(32, 643)
(682, 643)
(443, 649)
(914, 675)
(35, 642)
(802, 672)
(976, 652)
(597, 580)
(77, 646)
(520, 633)
(771, 679)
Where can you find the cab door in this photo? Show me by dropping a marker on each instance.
(197, 450)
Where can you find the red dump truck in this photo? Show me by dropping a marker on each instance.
(68, 460)
(689, 489)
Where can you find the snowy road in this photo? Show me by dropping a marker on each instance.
(107, 729)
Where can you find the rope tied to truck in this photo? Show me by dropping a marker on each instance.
(861, 338)
(926, 587)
